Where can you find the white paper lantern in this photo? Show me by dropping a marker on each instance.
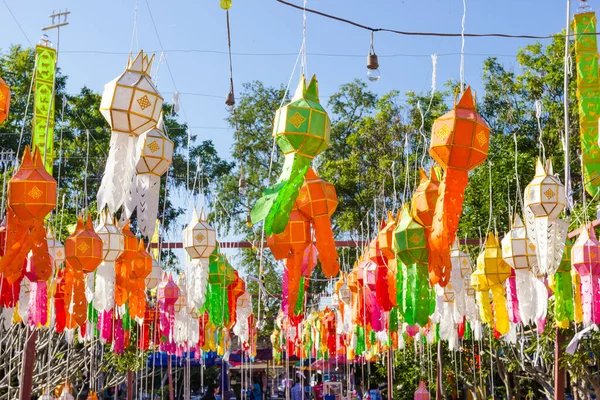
(55, 248)
(155, 276)
(131, 103)
(113, 241)
(199, 238)
(154, 153)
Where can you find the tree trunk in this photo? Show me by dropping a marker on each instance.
(559, 371)
(27, 367)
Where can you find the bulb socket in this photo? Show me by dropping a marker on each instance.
(372, 61)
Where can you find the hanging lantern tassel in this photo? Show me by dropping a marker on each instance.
(512, 304)
(564, 309)
(459, 143)
(585, 256)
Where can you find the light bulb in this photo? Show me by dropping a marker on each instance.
(373, 75)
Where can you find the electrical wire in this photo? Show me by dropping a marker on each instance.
(438, 34)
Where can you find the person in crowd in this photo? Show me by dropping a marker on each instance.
(318, 388)
(296, 392)
(256, 389)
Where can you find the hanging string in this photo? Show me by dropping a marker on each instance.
(23, 124)
(85, 175)
(518, 193)
(568, 191)
(538, 115)
(134, 31)
(490, 194)
(462, 49)
(304, 64)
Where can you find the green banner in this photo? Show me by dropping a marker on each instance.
(588, 94)
(43, 121)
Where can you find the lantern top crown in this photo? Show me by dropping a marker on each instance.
(310, 92)
(466, 101)
(141, 63)
(517, 222)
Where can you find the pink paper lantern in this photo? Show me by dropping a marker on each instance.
(585, 256)
(422, 393)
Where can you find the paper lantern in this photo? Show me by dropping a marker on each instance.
(221, 272)
(154, 153)
(317, 201)
(459, 143)
(55, 248)
(293, 241)
(519, 252)
(199, 238)
(4, 100)
(113, 241)
(417, 300)
(425, 197)
(585, 256)
(31, 191)
(588, 90)
(181, 303)
(492, 271)
(154, 278)
(301, 130)
(422, 393)
(385, 238)
(409, 240)
(84, 247)
(544, 200)
(132, 105)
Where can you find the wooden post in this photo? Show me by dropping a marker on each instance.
(170, 375)
(27, 367)
(390, 372)
(129, 385)
(559, 371)
(438, 387)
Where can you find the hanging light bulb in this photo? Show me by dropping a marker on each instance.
(230, 101)
(372, 64)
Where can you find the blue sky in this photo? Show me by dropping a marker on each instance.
(93, 47)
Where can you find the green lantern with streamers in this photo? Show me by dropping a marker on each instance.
(409, 240)
(301, 130)
(564, 310)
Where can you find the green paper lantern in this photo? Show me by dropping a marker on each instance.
(410, 241)
(220, 271)
(418, 301)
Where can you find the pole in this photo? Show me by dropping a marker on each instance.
(129, 385)
(439, 386)
(390, 389)
(559, 371)
(169, 371)
(28, 366)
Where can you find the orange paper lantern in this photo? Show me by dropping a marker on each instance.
(425, 197)
(84, 247)
(4, 100)
(459, 143)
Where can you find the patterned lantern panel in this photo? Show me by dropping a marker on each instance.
(316, 197)
(4, 100)
(303, 126)
(141, 267)
(154, 153)
(293, 240)
(168, 291)
(113, 241)
(131, 103)
(425, 197)
(84, 247)
(545, 194)
(585, 256)
(409, 240)
(199, 238)
(32, 190)
(517, 250)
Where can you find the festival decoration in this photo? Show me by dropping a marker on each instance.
(4, 100)
(113, 244)
(31, 196)
(417, 301)
(317, 201)
(564, 309)
(153, 158)
(132, 105)
(491, 273)
(425, 198)
(422, 393)
(43, 104)
(459, 143)
(588, 90)
(301, 130)
(585, 256)
(168, 293)
(544, 201)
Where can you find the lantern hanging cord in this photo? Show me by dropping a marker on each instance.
(134, 30)
(304, 65)
(436, 34)
(538, 116)
(229, 50)
(25, 113)
(462, 49)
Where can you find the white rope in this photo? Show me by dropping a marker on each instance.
(462, 49)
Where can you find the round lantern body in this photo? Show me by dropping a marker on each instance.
(422, 393)
(32, 190)
(345, 294)
(153, 279)
(385, 238)
(424, 198)
(303, 126)
(113, 241)
(141, 266)
(460, 138)
(4, 100)
(154, 153)
(409, 240)
(84, 247)
(585, 254)
(295, 237)
(130, 103)
(220, 271)
(460, 260)
(130, 244)
(545, 194)
(168, 291)
(316, 197)
(199, 238)
(491, 270)
(517, 250)
(55, 248)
